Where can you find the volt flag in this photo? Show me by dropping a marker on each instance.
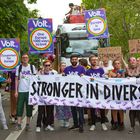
(40, 37)
(96, 24)
(9, 53)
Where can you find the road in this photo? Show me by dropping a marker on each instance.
(63, 133)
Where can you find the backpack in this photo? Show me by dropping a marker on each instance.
(20, 69)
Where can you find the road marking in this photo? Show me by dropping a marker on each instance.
(15, 134)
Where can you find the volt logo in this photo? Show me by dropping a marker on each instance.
(6, 43)
(43, 23)
(94, 13)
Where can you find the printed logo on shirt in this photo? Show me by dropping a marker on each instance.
(96, 75)
(73, 73)
(24, 74)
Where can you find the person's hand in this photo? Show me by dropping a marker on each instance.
(119, 75)
(8, 80)
(81, 75)
(16, 94)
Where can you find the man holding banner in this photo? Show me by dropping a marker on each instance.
(76, 69)
(23, 73)
(96, 72)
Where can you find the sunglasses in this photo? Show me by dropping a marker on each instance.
(47, 65)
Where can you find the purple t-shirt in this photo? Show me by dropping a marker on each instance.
(74, 71)
(96, 73)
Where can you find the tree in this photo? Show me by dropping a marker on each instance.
(123, 18)
(13, 20)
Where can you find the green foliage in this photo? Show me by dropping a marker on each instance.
(123, 18)
(13, 21)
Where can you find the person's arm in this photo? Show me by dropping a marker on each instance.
(125, 64)
(70, 12)
(16, 87)
(16, 83)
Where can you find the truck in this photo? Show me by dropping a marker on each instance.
(73, 39)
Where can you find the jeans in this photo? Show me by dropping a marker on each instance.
(133, 114)
(78, 116)
(2, 115)
(45, 115)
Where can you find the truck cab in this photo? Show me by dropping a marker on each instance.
(74, 40)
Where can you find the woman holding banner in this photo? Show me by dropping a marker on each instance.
(133, 70)
(63, 113)
(46, 112)
(117, 115)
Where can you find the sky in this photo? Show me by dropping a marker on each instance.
(55, 9)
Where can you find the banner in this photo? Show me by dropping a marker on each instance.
(96, 24)
(111, 53)
(112, 93)
(134, 46)
(9, 53)
(40, 36)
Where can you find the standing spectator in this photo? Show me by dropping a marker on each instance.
(117, 115)
(106, 67)
(13, 99)
(76, 69)
(71, 5)
(23, 73)
(95, 71)
(2, 115)
(46, 112)
(63, 113)
(133, 70)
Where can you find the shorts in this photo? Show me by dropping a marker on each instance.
(23, 99)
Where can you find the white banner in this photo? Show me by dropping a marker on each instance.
(112, 93)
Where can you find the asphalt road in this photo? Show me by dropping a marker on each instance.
(63, 133)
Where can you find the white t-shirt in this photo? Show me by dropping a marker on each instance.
(107, 69)
(24, 80)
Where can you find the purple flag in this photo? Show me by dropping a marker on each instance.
(9, 53)
(96, 24)
(40, 35)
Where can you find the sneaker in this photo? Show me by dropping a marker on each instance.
(49, 127)
(18, 127)
(66, 124)
(27, 128)
(104, 127)
(92, 128)
(38, 129)
(131, 131)
(5, 127)
(62, 124)
(81, 130)
(74, 128)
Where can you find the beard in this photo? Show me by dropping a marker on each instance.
(74, 63)
(94, 64)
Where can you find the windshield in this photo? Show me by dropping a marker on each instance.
(82, 48)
